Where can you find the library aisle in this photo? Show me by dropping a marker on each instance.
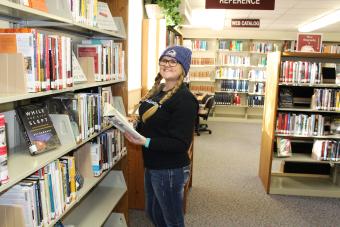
(228, 192)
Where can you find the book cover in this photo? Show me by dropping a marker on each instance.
(37, 127)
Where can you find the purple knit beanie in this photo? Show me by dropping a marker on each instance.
(181, 54)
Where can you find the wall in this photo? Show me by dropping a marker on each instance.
(136, 14)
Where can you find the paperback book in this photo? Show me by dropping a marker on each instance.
(37, 128)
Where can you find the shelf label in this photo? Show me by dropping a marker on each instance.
(240, 4)
(245, 23)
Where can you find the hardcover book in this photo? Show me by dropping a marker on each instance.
(37, 128)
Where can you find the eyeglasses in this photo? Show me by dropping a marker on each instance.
(169, 62)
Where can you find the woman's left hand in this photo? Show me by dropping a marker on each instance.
(139, 141)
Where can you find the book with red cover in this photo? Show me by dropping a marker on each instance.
(37, 128)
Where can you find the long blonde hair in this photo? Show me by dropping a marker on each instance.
(154, 90)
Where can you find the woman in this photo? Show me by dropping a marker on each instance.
(167, 118)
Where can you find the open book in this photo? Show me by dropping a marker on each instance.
(120, 121)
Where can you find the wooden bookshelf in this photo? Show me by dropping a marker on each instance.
(99, 196)
(299, 174)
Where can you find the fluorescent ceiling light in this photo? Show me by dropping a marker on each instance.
(211, 18)
(323, 21)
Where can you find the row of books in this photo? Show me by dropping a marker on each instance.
(84, 11)
(323, 150)
(35, 4)
(234, 85)
(48, 57)
(232, 45)
(46, 194)
(301, 72)
(230, 73)
(326, 150)
(3, 152)
(197, 75)
(108, 58)
(256, 74)
(227, 99)
(202, 61)
(258, 88)
(202, 88)
(106, 150)
(303, 124)
(255, 100)
(227, 59)
(201, 45)
(326, 99)
(328, 48)
(264, 47)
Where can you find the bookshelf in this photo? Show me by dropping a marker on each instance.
(304, 120)
(237, 75)
(104, 199)
(173, 36)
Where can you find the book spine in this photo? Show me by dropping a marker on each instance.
(3, 152)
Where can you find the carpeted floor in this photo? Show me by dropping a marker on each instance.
(227, 191)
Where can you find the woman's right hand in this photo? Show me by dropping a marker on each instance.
(140, 141)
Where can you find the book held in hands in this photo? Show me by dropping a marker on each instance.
(120, 121)
(37, 127)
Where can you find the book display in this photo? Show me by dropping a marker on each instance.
(300, 135)
(59, 158)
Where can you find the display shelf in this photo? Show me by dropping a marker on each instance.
(12, 97)
(104, 198)
(310, 55)
(116, 220)
(234, 92)
(308, 110)
(229, 79)
(256, 94)
(19, 13)
(304, 186)
(232, 106)
(300, 157)
(242, 66)
(308, 137)
(18, 171)
(205, 81)
(89, 183)
(297, 179)
(310, 85)
(201, 66)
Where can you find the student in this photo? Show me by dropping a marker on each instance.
(167, 116)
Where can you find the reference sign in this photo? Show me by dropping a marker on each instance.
(245, 23)
(240, 4)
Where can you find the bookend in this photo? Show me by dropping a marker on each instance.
(11, 215)
(63, 127)
(12, 73)
(87, 64)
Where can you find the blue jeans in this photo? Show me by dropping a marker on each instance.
(164, 191)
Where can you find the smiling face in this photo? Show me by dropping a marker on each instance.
(170, 69)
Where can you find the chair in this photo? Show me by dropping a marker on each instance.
(204, 114)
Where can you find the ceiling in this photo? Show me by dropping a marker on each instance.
(287, 15)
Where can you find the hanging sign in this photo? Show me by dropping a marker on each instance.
(240, 4)
(308, 42)
(245, 23)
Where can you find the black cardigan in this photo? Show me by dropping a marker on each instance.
(170, 130)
